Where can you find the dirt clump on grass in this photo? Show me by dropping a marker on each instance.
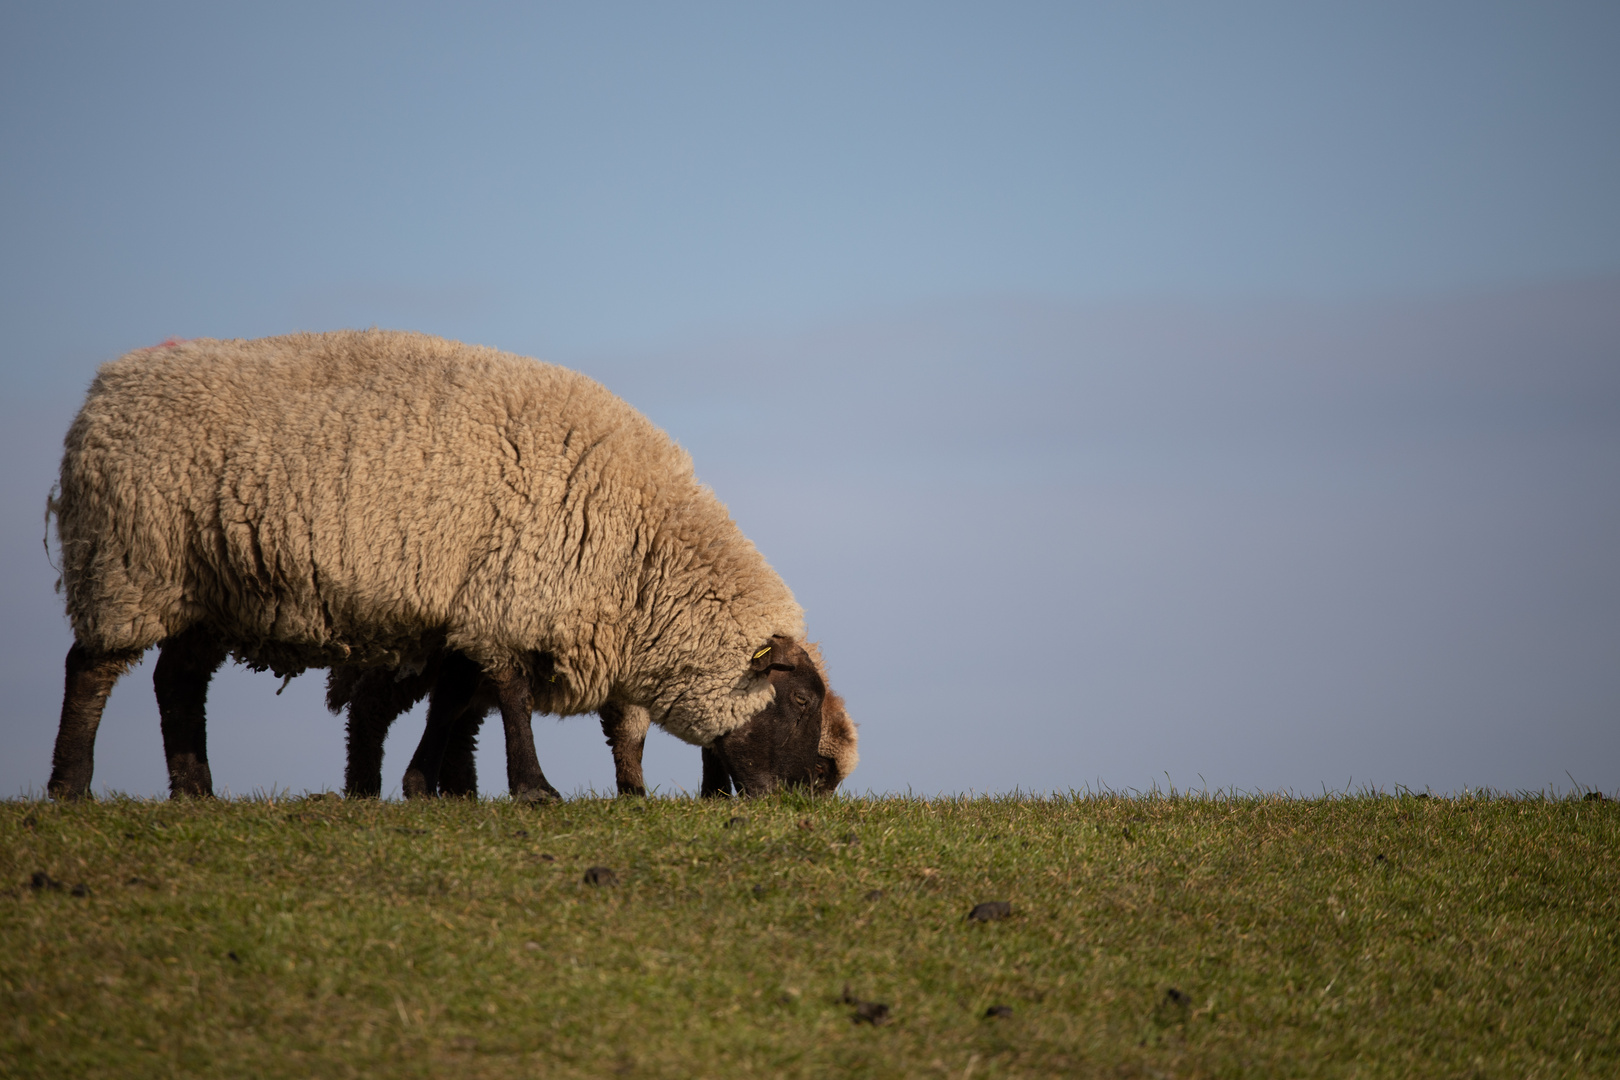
(990, 911)
(875, 1013)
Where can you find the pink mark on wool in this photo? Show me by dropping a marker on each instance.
(168, 343)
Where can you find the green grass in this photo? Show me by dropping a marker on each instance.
(1370, 936)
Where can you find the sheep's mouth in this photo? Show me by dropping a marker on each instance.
(754, 775)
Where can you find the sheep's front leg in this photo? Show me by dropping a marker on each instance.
(90, 678)
(626, 729)
(457, 682)
(716, 777)
(523, 776)
(186, 664)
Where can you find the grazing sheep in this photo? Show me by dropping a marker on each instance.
(377, 499)
(375, 698)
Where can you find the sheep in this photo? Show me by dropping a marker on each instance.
(375, 697)
(379, 498)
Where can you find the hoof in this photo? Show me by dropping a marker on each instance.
(191, 787)
(189, 775)
(538, 796)
(415, 784)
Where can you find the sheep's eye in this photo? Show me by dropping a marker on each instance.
(800, 697)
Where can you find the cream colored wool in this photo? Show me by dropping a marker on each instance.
(367, 496)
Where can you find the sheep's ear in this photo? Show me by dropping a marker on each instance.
(776, 655)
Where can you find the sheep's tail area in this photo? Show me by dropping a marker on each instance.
(53, 511)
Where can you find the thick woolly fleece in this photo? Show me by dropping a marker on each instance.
(370, 496)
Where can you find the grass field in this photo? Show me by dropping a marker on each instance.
(1371, 936)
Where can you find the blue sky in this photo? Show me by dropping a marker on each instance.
(1223, 390)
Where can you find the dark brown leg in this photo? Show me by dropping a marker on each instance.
(375, 699)
(626, 729)
(459, 773)
(90, 678)
(186, 664)
(523, 776)
(716, 777)
(454, 688)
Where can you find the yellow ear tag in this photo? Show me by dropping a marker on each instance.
(762, 652)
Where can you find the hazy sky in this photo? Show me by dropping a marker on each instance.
(1227, 391)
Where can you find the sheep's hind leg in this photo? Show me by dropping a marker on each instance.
(456, 684)
(90, 678)
(459, 773)
(626, 729)
(186, 664)
(523, 776)
(375, 702)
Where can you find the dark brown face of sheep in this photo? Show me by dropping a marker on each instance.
(781, 745)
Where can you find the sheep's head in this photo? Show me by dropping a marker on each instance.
(804, 738)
